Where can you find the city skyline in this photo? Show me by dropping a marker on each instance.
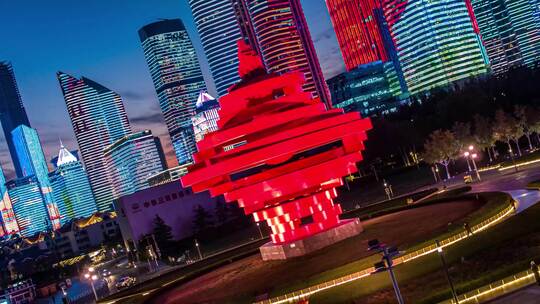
(107, 54)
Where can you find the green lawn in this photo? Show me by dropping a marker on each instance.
(523, 159)
(497, 252)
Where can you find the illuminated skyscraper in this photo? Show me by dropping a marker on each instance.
(33, 163)
(436, 42)
(177, 77)
(132, 160)
(285, 43)
(219, 30)
(71, 188)
(510, 31)
(206, 116)
(357, 24)
(7, 216)
(28, 205)
(98, 118)
(12, 112)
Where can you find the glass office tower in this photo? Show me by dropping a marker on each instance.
(219, 30)
(12, 112)
(98, 118)
(177, 77)
(7, 215)
(437, 42)
(71, 188)
(132, 160)
(33, 163)
(29, 205)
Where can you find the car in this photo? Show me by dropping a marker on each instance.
(125, 282)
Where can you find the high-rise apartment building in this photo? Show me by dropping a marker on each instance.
(177, 77)
(98, 118)
(206, 115)
(71, 188)
(29, 205)
(7, 215)
(12, 112)
(436, 42)
(510, 31)
(285, 43)
(219, 30)
(33, 163)
(132, 160)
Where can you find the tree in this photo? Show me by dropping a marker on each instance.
(221, 212)
(441, 147)
(506, 129)
(163, 235)
(524, 120)
(462, 133)
(483, 135)
(202, 219)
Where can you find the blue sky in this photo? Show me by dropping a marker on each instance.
(98, 39)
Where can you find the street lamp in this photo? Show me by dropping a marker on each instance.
(513, 160)
(473, 157)
(445, 266)
(198, 249)
(92, 278)
(260, 231)
(388, 253)
(466, 154)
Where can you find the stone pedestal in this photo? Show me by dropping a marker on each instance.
(346, 229)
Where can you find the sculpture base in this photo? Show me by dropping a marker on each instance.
(345, 230)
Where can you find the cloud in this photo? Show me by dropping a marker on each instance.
(151, 118)
(323, 35)
(134, 95)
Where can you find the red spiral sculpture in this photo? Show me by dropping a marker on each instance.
(278, 152)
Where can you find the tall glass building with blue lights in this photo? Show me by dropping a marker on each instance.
(177, 77)
(29, 205)
(12, 112)
(71, 188)
(98, 118)
(132, 160)
(219, 31)
(33, 163)
(437, 42)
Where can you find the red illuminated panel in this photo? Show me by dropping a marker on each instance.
(357, 30)
(290, 153)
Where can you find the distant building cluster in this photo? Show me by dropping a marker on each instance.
(389, 52)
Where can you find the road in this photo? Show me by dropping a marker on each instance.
(529, 295)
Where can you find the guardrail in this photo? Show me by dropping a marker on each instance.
(307, 292)
(495, 289)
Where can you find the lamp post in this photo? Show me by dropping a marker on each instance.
(198, 249)
(388, 253)
(260, 231)
(473, 157)
(513, 160)
(466, 154)
(445, 266)
(92, 277)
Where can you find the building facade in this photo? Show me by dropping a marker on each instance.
(29, 205)
(170, 201)
(436, 41)
(206, 115)
(12, 112)
(357, 24)
(370, 89)
(285, 43)
(32, 162)
(7, 215)
(510, 31)
(71, 188)
(132, 160)
(98, 118)
(177, 77)
(219, 30)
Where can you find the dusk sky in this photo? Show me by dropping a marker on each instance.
(98, 39)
